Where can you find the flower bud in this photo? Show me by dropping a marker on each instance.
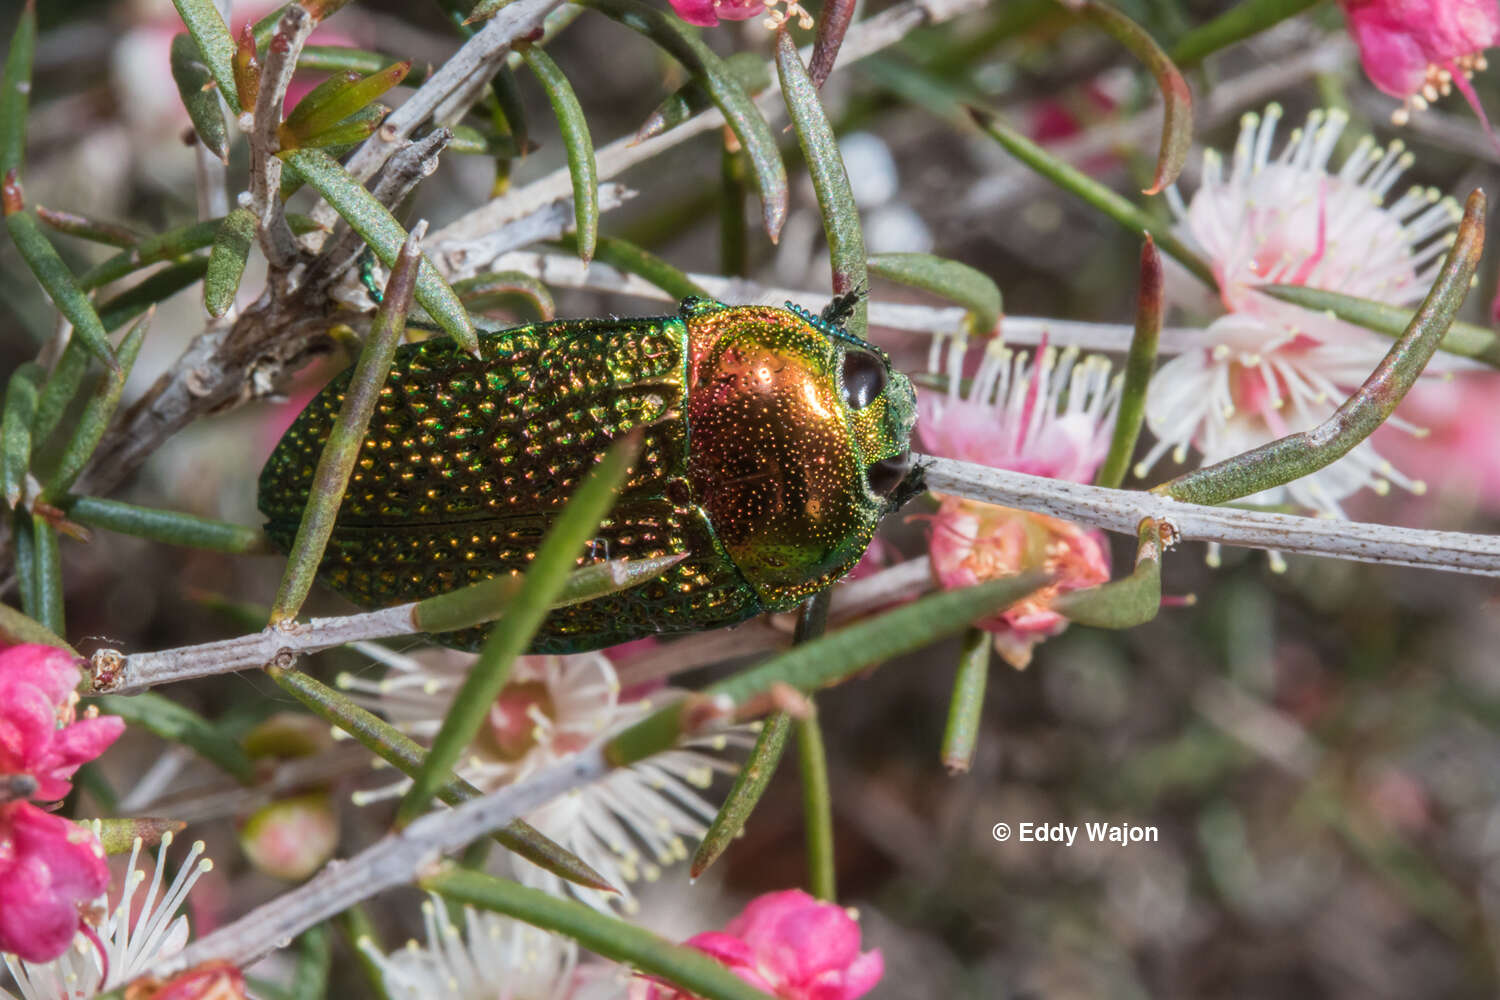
(292, 838)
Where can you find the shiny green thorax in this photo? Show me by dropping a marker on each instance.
(774, 443)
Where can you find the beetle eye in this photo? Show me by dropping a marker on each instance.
(864, 378)
(886, 474)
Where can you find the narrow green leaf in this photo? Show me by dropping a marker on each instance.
(93, 230)
(384, 234)
(15, 429)
(1177, 99)
(1139, 366)
(749, 785)
(580, 147)
(1240, 21)
(500, 288)
(15, 97)
(1464, 339)
(401, 751)
(347, 436)
(226, 262)
(817, 808)
(195, 85)
(53, 275)
(825, 165)
(247, 67)
(59, 390)
(749, 126)
(16, 627)
(322, 109)
(118, 836)
(970, 288)
(487, 600)
(608, 936)
(511, 634)
(355, 129)
(1296, 455)
(24, 543)
(314, 962)
(1125, 603)
(162, 285)
(206, 25)
(94, 419)
(748, 69)
(966, 707)
(357, 62)
(171, 527)
(176, 723)
(47, 581)
(170, 245)
(837, 656)
(631, 259)
(1075, 182)
(472, 142)
(360, 933)
(734, 234)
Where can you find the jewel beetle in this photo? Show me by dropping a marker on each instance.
(774, 442)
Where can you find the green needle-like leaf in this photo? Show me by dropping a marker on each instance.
(972, 289)
(352, 130)
(226, 262)
(1177, 99)
(195, 85)
(206, 25)
(580, 147)
(631, 259)
(1240, 21)
(170, 245)
(95, 418)
(347, 436)
(167, 526)
(1464, 339)
(511, 634)
(47, 581)
(834, 657)
(749, 784)
(501, 288)
(486, 600)
(1125, 603)
(708, 69)
(15, 429)
(748, 69)
(177, 723)
(24, 544)
(314, 961)
(402, 752)
(817, 808)
(1091, 191)
(825, 165)
(608, 936)
(1297, 455)
(162, 285)
(53, 275)
(1139, 367)
(322, 109)
(16, 628)
(370, 219)
(59, 390)
(15, 97)
(966, 707)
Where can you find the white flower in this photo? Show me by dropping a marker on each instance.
(626, 826)
(1269, 368)
(124, 948)
(495, 958)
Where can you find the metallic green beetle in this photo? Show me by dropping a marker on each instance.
(774, 443)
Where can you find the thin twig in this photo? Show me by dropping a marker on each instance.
(395, 860)
(1122, 510)
(276, 239)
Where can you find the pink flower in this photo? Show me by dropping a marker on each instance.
(48, 867)
(708, 13)
(1050, 419)
(214, 980)
(38, 734)
(1457, 454)
(974, 542)
(793, 947)
(1417, 50)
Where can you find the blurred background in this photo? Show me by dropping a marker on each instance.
(1316, 747)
